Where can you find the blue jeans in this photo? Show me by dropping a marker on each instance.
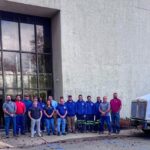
(103, 120)
(115, 117)
(61, 121)
(43, 123)
(8, 120)
(50, 125)
(20, 124)
(27, 122)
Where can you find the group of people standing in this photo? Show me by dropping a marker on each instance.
(36, 115)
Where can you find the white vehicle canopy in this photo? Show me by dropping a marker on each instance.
(144, 107)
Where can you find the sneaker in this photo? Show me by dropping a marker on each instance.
(58, 133)
(63, 133)
(32, 136)
(39, 135)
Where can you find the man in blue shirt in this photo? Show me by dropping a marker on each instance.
(9, 109)
(81, 113)
(35, 114)
(71, 108)
(28, 104)
(61, 116)
(97, 113)
(89, 114)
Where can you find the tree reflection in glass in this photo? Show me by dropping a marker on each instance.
(27, 37)
(29, 63)
(12, 75)
(40, 38)
(29, 70)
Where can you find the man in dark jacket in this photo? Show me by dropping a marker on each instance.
(81, 113)
(89, 114)
(97, 113)
(71, 108)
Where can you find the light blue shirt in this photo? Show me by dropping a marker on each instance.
(104, 107)
(54, 104)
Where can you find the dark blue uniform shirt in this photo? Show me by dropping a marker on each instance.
(71, 108)
(48, 110)
(35, 112)
(89, 108)
(61, 109)
(96, 108)
(80, 107)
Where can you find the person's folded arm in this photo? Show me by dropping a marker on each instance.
(46, 114)
(52, 113)
(41, 113)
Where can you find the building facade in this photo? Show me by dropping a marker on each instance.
(63, 47)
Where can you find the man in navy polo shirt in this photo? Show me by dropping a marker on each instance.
(61, 116)
(35, 114)
(71, 108)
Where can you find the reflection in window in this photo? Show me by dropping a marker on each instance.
(45, 93)
(12, 74)
(11, 61)
(28, 63)
(29, 81)
(12, 81)
(44, 63)
(31, 93)
(45, 81)
(13, 92)
(10, 38)
(0, 63)
(27, 37)
(40, 38)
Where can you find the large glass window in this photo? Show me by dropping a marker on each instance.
(10, 35)
(25, 55)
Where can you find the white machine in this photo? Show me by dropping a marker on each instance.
(140, 113)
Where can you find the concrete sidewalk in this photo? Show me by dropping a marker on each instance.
(27, 141)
